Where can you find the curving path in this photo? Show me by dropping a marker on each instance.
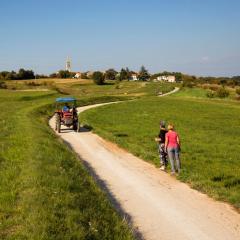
(160, 207)
(176, 89)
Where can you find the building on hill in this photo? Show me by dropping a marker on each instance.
(78, 75)
(169, 78)
(134, 76)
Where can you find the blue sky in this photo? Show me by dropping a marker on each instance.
(195, 37)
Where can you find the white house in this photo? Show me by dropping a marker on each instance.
(134, 76)
(77, 75)
(170, 78)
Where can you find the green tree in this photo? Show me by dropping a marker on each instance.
(64, 74)
(3, 74)
(236, 80)
(110, 74)
(178, 76)
(123, 74)
(98, 78)
(53, 75)
(40, 76)
(143, 74)
(11, 76)
(128, 73)
(25, 74)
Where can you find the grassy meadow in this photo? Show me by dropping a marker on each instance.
(209, 131)
(79, 87)
(45, 192)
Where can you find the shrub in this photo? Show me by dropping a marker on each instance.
(238, 91)
(211, 94)
(117, 84)
(34, 84)
(214, 87)
(98, 78)
(222, 92)
(84, 76)
(3, 85)
(205, 86)
(238, 98)
(48, 83)
(189, 84)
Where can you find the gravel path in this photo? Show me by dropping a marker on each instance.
(160, 207)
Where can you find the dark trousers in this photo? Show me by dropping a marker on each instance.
(162, 154)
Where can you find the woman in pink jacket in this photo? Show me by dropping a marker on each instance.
(172, 145)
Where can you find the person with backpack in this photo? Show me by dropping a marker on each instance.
(161, 146)
(172, 147)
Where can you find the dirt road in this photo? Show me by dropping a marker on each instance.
(160, 207)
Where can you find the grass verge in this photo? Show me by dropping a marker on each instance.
(46, 193)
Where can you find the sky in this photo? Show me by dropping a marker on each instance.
(195, 37)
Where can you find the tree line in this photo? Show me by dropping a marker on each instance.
(20, 75)
(124, 74)
(191, 81)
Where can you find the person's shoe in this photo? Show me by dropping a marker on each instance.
(173, 173)
(162, 168)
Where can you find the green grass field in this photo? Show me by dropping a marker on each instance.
(209, 131)
(78, 87)
(45, 192)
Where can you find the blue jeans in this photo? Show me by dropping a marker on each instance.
(173, 154)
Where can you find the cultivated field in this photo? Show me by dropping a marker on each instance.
(209, 131)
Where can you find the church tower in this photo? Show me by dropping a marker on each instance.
(68, 64)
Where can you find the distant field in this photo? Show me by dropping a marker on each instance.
(209, 131)
(78, 87)
(202, 93)
(45, 192)
(122, 88)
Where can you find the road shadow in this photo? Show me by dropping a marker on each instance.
(86, 128)
(121, 135)
(106, 189)
(66, 130)
(81, 130)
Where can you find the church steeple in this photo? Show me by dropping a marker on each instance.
(68, 64)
